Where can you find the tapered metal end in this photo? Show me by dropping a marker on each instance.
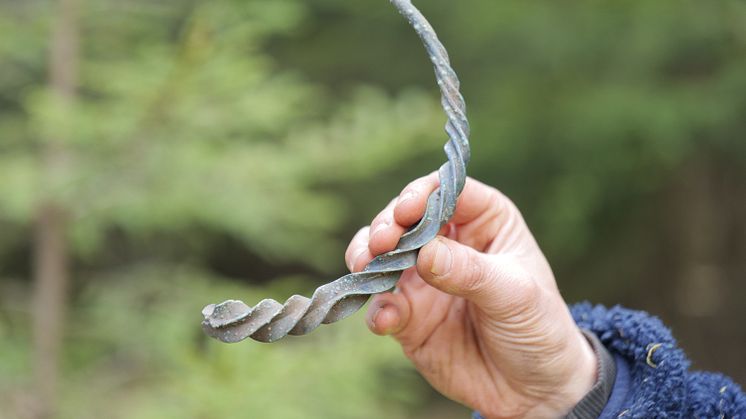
(225, 313)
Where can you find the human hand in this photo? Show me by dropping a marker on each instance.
(480, 316)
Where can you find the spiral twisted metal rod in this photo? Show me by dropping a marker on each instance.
(268, 321)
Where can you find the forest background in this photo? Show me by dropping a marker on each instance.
(156, 156)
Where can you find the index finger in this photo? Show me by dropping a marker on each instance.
(475, 200)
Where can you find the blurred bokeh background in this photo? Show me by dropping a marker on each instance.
(159, 155)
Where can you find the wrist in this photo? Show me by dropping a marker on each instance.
(574, 379)
(587, 375)
(579, 377)
(582, 378)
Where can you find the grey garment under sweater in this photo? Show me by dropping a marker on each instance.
(591, 406)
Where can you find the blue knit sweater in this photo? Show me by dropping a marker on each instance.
(653, 378)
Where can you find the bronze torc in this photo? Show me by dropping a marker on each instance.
(233, 321)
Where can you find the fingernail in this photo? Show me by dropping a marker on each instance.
(380, 227)
(443, 258)
(377, 318)
(355, 258)
(406, 196)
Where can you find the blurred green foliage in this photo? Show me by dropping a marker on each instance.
(133, 351)
(249, 137)
(183, 120)
(574, 106)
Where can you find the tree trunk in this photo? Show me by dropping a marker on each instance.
(51, 272)
(50, 248)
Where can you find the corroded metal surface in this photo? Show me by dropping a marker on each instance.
(268, 321)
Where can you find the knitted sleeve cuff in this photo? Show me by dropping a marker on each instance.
(591, 406)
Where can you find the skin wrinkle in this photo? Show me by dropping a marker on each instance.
(548, 357)
(521, 308)
(457, 316)
(536, 398)
(552, 351)
(423, 343)
(473, 282)
(520, 300)
(516, 334)
(494, 377)
(406, 290)
(556, 361)
(482, 355)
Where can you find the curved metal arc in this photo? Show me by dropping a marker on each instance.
(268, 321)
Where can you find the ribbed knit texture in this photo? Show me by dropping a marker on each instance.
(593, 403)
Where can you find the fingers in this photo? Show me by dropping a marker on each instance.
(495, 283)
(384, 231)
(411, 313)
(481, 210)
(388, 314)
(475, 200)
(412, 201)
(358, 254)
(478, 199)
(481, 207)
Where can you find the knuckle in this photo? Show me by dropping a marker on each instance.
(525, 292)
(475, 274)
(505, 206)
(423, 182)
(521, 299)
(384, 217)
(413, 185)
(518, 296)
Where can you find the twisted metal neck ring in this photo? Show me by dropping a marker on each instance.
(268, 321)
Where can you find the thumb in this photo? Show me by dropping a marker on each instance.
(495, 283)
